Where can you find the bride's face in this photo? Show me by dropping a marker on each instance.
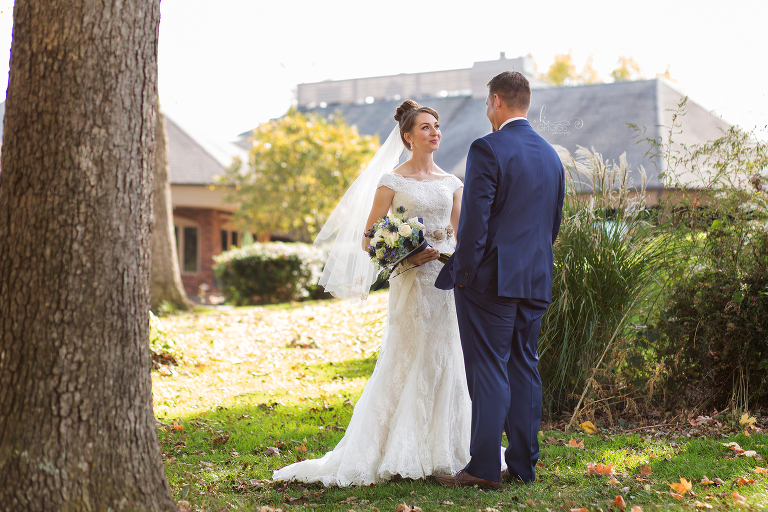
(425, 135)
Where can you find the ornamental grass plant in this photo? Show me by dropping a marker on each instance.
(608, 257)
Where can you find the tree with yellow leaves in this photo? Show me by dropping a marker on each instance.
(628, 70)
(299, 167)
(562, 70)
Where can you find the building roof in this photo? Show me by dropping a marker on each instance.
(587, 115)
(189, 162)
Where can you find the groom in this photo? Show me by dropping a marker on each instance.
(501, 274)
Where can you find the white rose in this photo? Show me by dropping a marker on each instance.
(404, 230)
(390, 238)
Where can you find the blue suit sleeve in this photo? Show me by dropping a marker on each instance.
(480, 184)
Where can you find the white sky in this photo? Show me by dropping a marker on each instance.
(228, 65)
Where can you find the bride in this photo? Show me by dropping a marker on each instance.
(413, 418)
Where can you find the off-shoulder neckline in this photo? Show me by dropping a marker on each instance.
(422, 181)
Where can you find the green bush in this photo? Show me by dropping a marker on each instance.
(268, 273)
(714, 320)
(715, 346)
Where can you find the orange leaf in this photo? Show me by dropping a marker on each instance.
(599, 469)
(683, 487)
(676, 496)
(572, 443)
(744, 481)
(614, 482)
(761, 471)
(739, 500)
(579, 510)
(303, 448)
(645, 470)
(706, 481)
(176, 427)
(619, 502)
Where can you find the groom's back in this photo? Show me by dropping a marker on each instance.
(526, 211)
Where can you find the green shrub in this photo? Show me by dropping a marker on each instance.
(715, 346)
(714, 320)
(268, 273)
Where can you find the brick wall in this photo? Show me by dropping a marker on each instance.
(209, 223)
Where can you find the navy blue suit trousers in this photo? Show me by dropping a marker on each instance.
(499, 338)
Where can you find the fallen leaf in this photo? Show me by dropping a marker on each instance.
(636, 509)
(599, 469)
(588, 427)
(403, 508)
(676, 496)
(645, 470)
(579, 510)
(718, 481)
(761, 471)
(706, 481)
(683, 487)
(701, 504)
(176, 427)
(572, 443)
(746, 419)
(749, 453)
(303, 448)
(223, 438)
(743, 481)
(614, 482)
(271, 451)
(619, 502)
(739, 500)
(735, 447)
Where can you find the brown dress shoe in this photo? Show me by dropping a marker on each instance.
(464, 479)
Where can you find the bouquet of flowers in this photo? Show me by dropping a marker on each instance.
(394, 238)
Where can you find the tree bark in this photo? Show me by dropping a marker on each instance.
(77, 430)
(166, 285)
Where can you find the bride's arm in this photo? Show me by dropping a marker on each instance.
(381, 204)
(456, 212)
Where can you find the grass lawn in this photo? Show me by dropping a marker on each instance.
(263, 387)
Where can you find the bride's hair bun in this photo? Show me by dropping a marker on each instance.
(406, 107)
(406, 114)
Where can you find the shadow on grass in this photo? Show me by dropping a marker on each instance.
(226, 458)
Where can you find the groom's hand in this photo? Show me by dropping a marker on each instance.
(428, 254)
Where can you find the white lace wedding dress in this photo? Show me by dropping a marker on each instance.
(413, 418)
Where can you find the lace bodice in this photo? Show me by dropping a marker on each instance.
(432, 200)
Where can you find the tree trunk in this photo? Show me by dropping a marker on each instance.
(77, 431)
(166, 283)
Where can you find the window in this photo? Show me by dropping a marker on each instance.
(187, 245)
(224, 240)
(229, 239)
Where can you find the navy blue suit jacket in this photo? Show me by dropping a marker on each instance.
(510, 215)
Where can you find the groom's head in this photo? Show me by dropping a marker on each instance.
(509, 95)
